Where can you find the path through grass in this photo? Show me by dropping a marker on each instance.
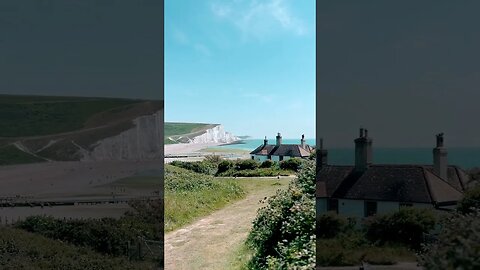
(215, 241)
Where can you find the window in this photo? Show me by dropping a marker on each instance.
(280, 158)
(253, 157)
(370, 208)
(269, 157)
(332, 205)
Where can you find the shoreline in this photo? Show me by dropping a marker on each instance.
(197, 152)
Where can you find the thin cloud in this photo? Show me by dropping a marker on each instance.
(180, 37)
(260, 18)
(202, 49)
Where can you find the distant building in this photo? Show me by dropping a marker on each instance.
(279, 151)
(367, 189)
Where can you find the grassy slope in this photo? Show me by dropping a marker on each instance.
(190, 195)
(24, 250)
(172, 129)
(27, 116)
(10, 155)
(22, 116)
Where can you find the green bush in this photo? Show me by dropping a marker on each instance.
(267, 164)
(203, 167)
(213, 159)
(105, 235)
(458, 245)
(23, 250)
(224, 166)
(246, 164)
(470, 201)
(330, 225)
(292, 164)
(283, 234)
(406, 226)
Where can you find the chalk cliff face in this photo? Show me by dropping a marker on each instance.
(216, 134)
(144, 141)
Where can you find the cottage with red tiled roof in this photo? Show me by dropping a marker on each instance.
(367, 189)
(279, 151)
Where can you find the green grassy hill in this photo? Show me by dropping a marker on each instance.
(53, 128)
(175, 132)
(23, 250)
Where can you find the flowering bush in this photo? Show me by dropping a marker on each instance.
(470, 201)
(283, 235)
(458, 245)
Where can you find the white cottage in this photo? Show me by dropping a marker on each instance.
(279, 151)
(366, 189)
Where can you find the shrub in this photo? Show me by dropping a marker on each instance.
(406, 226)
(224, 166)
(214, 159)
(203, 167)
(458, 245)
(105, 235)
(283, 234)
(267, 164)
(470, 201)
(292, 164)
(330, 225)
(246, 164)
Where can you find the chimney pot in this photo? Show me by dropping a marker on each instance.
(440, 162)
(363, 151)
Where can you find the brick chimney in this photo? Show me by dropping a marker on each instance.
(440, 164)
(363, 151)
(322, 156)
(279, 139)
(302, 141)
(265, 141)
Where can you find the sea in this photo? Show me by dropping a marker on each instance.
(464, 157)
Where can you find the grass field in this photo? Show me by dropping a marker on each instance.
(22, 116)
(190, 195)
(56, 127)
(172, 129)
(23, 250)
(10, 155)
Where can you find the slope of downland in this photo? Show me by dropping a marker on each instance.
(180, 132)
(23, 250)
(40, 128)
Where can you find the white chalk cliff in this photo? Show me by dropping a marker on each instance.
(143, 141)
(216, 134)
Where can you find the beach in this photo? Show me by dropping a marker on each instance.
(197, 151)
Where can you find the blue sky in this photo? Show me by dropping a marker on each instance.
(249, 65)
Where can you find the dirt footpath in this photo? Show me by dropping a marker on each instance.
(210, 242)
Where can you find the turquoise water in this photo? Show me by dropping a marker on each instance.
(463, 157)
(251, 144)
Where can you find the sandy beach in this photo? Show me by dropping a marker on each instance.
(187, 148)
(73, 181)
(196, 152)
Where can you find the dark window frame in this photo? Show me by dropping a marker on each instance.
(332, 205)
(370, 208)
